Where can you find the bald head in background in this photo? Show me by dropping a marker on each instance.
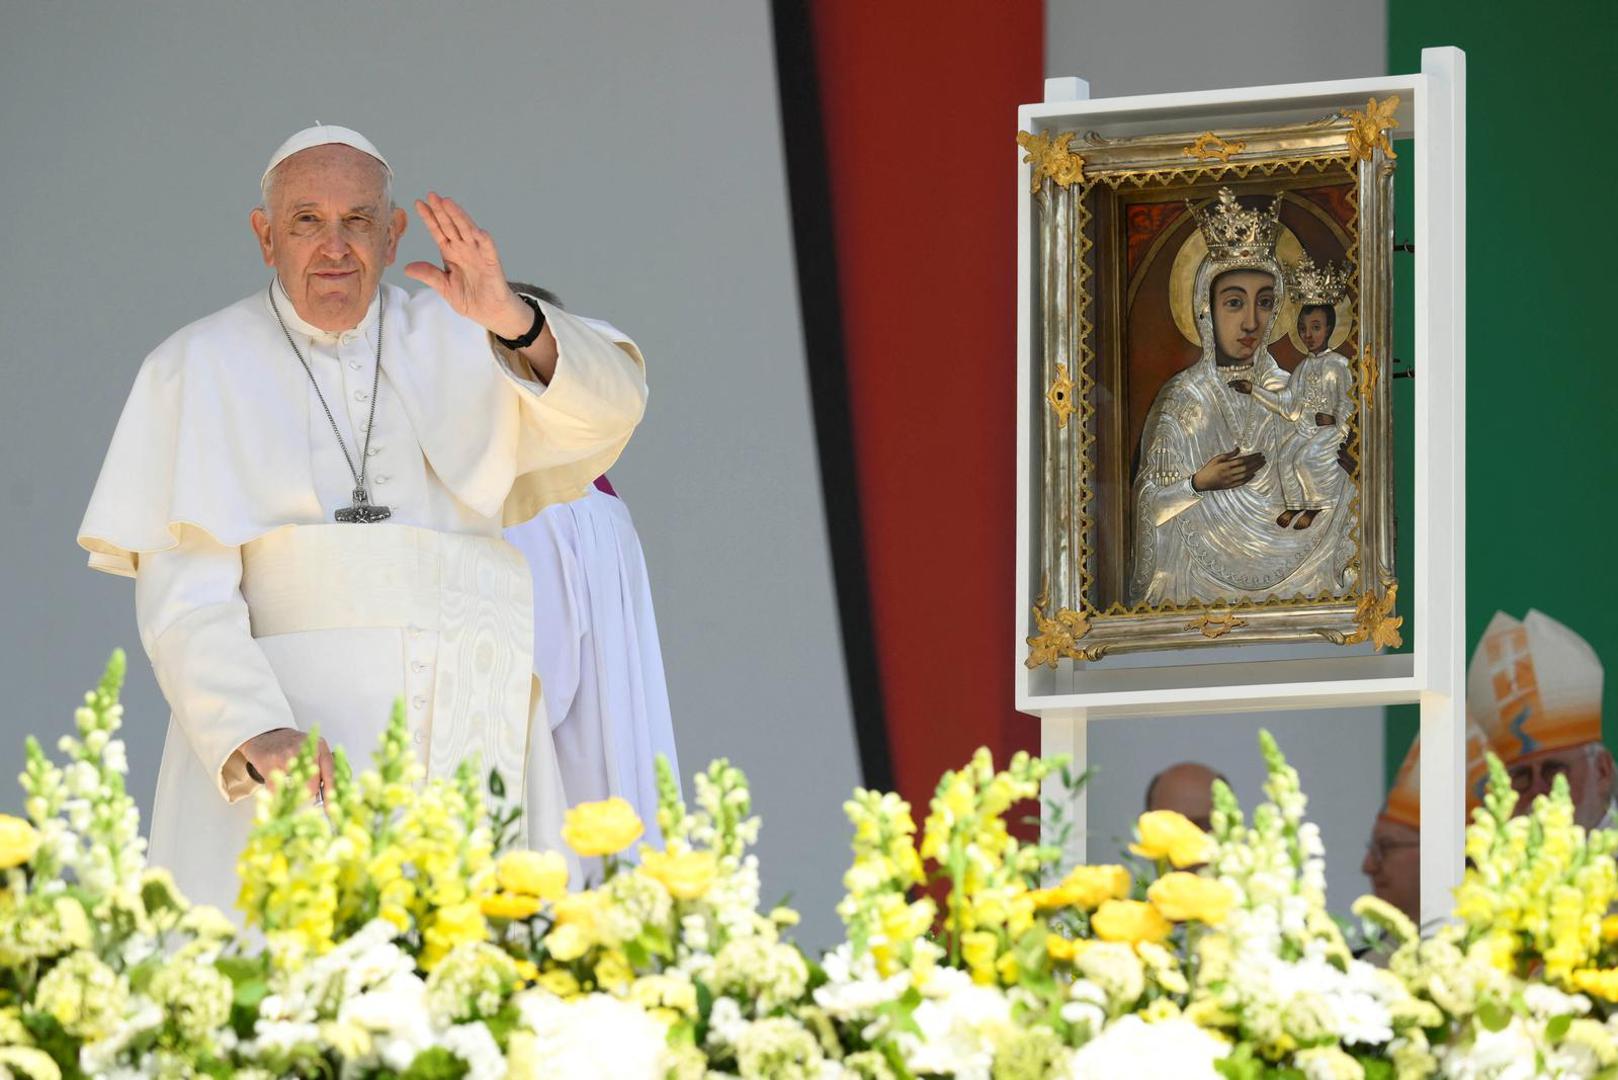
(1186, 788)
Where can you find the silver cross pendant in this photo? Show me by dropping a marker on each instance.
(362, 512)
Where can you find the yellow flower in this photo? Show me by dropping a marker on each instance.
(1187, 897)
(686, 875)
(1064, 950)
(1602, 983)
(527, 971)
(560, 982)
(602, 828)
(567, 943)
(1129, 921)
(978, 949)
(1609, 929)
(509, 905)
(533, 873)
(454, 925)
(1165, 834)
(613, 972)
(1088, 886)
(18, 841)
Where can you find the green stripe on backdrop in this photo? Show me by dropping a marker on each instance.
(1542, 317)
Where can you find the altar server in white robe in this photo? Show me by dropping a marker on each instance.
(309, 488)
(596, 650)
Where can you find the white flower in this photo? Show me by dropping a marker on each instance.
(853, 987)
(1173, 1049)
(595, 1037)
(473, 1044)
(1507, 1054)
(959, 1022)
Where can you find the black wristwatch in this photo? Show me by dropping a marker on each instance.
(533, 335)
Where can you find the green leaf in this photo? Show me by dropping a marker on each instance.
(436, 1064)
(1375, 1068)
(1556, 1029)
(1493, 1015)
(497, 786)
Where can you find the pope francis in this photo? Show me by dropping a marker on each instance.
(309, 487)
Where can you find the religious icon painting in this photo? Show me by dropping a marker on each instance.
(1210, 359)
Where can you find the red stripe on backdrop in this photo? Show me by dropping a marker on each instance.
(919, 106)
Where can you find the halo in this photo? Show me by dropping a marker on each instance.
(1183, 275)
(1339, 332)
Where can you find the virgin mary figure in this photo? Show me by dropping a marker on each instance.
(1206, 496)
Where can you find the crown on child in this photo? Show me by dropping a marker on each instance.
(1234, 232)
(1311, 284)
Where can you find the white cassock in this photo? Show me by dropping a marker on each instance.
(259, 612)
(596, 651)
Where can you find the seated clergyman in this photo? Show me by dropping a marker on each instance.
(309, 488)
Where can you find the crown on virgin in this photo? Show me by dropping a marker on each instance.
(1311, 284)
(1234, 232)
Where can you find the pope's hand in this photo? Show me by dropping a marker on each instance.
(471, 280)
(273, 752)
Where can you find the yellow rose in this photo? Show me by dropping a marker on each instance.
(1609, 929)
(613, 972)
(560, 982)
(1187, 897)
(18, 841)
(602, 828)
(567, 943)
(509, 905)
(1060, 949)
(1129, 921)
(1165, 834)
(686, 875)
(533, 873)
(1088, 886)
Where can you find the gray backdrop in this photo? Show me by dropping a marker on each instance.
(1157, 46)
(625, 154)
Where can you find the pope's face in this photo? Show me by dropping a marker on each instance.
(1312, 330)
(329, 232)
(1243, 302)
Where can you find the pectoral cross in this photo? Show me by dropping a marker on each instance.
(362, 512)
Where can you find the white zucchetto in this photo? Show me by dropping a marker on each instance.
(323, 135)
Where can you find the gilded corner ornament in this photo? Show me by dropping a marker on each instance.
(1057, 638)
(1050, 157)
(1371, 126)
(1060, 396)
(1376, 621)
(1213, 626)
(1208, 145)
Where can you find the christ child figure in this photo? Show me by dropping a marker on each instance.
(1316, 400)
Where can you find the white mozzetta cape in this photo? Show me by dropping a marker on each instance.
(218, 427)
(258, 612)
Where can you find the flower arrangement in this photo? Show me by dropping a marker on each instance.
(395, 932)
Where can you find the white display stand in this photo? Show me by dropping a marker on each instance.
(1432, 112)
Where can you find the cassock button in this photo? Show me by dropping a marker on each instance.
(417, 666)
(354, 365)
(382, 478)
(420, 702)
(372, 451)
(362, 395)
(416, 738)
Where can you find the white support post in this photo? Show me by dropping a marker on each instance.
(1067, 731)
(1440, 365)
(1067, 88)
